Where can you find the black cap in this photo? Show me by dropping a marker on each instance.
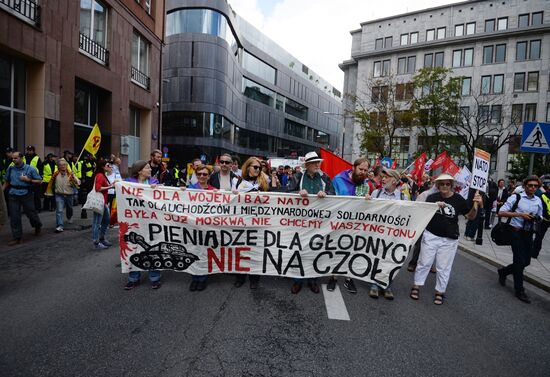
(30, 148)
(9, 149)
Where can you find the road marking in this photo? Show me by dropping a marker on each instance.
(336, 307)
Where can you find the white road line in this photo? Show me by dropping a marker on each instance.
(336, 307)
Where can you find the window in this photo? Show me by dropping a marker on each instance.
(411, 64)
(93, 29)
(375, 94)
(401, 65)
(400, 92)
(258, 92)
(438, 59)
(295, 129)
(441, 33)
(259, 68)
(489, 25)
(13, 93)
(521, 51)
(485, 84)
(457, 58)
(498, 84)
(430, 35)
(379, 44)
(379, 93)
(377, 71)
(496, 113)
(517, 114)
(533, 81)
(414, 37)
(530, 112)
(404, 39)
(519, 82)
(459, 30)
(468, 57)
(386, 68)
(534, 49)
(500, 53)
(502, 23)
(465, 113)
(135, 121)
(388, 42)
(466, 86)
(484, 114)
(296, 109)
(470, 28)
(147, 5)
(428, 60)
(140, 57)
(523, 20)
(487, 54)
(536, 19)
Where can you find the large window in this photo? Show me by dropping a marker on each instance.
(295, 129)
(379, 44)
(534, 49)
(489, 25)
(457, 58)
(528, 50)
(533, 81)
(498, 84)
(530, 112)
(536, 18)
(296, 109)
(12, 103)
(523, 20)
(377, 69)
(386, 66)
(459, 30)
(140, 60)
(485, 84)
(200, 21)
(502, 23)
(414, 37)
(470, 28)
(500, 53)
(468, 57)
(257, 67)
(466, 86)
(259, 92)
(439, 57)
(441, 33)
(487, 54)
(430, 35)
(93, 21)
(519, 82)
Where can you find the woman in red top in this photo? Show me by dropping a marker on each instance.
(101, 221)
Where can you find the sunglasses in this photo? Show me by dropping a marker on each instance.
(532, 185)
(225, 162)
(445, 184)
(255, 167)
(202, 174)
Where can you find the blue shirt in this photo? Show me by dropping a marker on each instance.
(14, 174)
(526, 205)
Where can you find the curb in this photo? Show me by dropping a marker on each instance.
(537, 282)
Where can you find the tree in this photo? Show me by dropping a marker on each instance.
(434, 106)
(520, 166)
(381, 111)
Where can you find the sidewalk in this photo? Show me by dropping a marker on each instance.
(537, 273)
(48, 229)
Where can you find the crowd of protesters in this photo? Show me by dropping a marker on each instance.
(57, 184)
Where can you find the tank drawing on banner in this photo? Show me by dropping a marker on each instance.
(163, 255)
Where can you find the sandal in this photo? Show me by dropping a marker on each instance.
(415, 293)
(438, 299)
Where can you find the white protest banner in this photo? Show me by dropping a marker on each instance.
(206, 232)
(480, 171)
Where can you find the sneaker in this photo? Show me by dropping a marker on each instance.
(523, 297)
(201, 286)
(501, 277)
(59, 229)
(155, 284)
(193, 286)
(131, 285)
(350, 286)
(313, 286)
(331, 286)
(105, 242)
(100, 246)
(69, 221)
(388, 294)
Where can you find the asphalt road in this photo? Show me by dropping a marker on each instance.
(64, 313)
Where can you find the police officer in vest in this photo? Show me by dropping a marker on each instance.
(76, 167)
(88, 167)
(545, 222)
(32, 159)
(49, 168)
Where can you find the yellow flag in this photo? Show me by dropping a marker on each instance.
(94, 140)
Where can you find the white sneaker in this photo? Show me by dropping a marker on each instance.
(59, 229)
(69, 221)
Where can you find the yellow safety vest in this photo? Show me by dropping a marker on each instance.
(176, 173)
(47, 176)
(546, 200)
(77, 168)
(34, 162)
(90, 170)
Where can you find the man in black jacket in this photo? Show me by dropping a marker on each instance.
(490, 198)
(223, 179)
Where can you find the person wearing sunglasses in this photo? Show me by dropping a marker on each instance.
(440, 239)
(528, 209)
(222, 180)
(252, 180)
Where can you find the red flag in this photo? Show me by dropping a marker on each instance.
(440, 160)
(333, 164)
(418, 170)
(451, 168)
(394, 165)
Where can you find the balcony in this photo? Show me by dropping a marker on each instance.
(27, 10)
(140, 78)
(93, 49)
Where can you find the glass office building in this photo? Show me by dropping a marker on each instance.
(229, 88)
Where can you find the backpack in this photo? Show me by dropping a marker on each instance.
(502, 232)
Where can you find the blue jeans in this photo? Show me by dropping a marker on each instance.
(63, 202)
(199, 278)
(100, 224)
(134, 276)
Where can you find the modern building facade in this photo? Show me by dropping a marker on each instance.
(229, 88)
(68, 64)
(501, 49)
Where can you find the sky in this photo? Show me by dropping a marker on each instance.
(316, 32)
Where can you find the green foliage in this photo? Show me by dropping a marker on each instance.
(520, 166)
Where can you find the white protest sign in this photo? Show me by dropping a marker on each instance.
(205, 232)
(463, 179)
(480, 171)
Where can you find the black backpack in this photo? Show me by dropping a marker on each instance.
(502, 232)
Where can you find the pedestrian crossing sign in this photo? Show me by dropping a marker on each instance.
(535, 137)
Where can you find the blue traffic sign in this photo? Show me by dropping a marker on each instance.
(386, 162)
(535, 137)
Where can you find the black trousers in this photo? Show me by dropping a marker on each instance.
(16, 202)
(522, 248)
(539, 237)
